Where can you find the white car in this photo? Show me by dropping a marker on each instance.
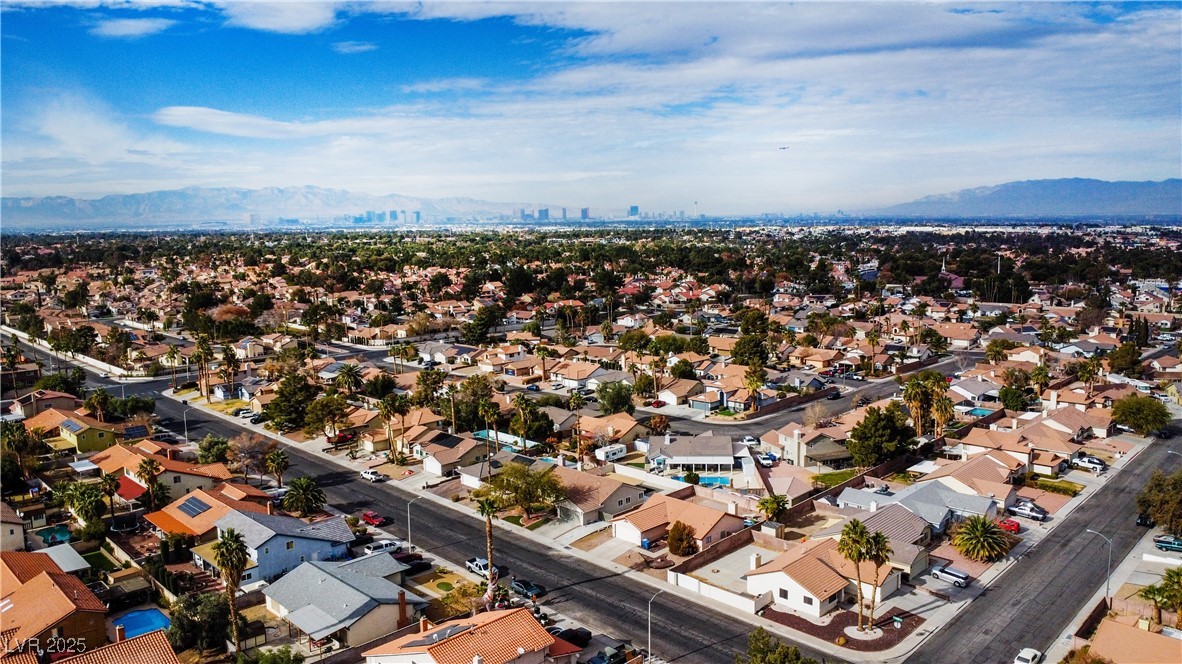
(765, 461)
(373, 476)
(1028, 656)
(1089, 463)
(750, 440)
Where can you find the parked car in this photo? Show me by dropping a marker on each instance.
(750, 440)
(372, 518)
(417, 567)
(1009, 525)
(373, 476)
(259, 418)
(1146, 521)
(408, 557)
(533, 388)
(477, 566)
(1089, 463)
(383, 546)
(527, 588)
(1168, 543)
(657, 403)
(765, 461)
(277, 495)
(951, 575)
(833, 396)
(1028, 510)
(1028, 656)
(578, 636)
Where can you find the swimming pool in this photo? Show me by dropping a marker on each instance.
(980, 412)
(141, 622)
(707, 480)
(58, 534)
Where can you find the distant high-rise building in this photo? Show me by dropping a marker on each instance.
(393, 215)
(418, 216)
(564, 214)
(634, 211)
(544, 214)
(585, 214)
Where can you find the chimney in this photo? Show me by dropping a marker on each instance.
(756, 560)
(477, 659)
(270, 507)
(874, 506)
(120, 633)
(403, 618)
(424, 624)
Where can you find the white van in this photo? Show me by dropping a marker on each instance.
(953, 576)
(380, 546)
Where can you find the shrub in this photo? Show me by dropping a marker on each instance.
(692, 478)
(1056, 487)
(93, 531)
(681, 540)
(455, 497)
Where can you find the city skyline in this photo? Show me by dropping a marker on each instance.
(589, 104)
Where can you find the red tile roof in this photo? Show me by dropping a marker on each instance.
(150, 648)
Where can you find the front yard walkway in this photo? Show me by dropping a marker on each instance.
(842, 619)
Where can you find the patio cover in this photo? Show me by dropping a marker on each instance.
(314, 622)
(66, 558)
(84, 466)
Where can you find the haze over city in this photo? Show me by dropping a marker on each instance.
(589, 104)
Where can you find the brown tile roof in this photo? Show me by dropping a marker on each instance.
(38, 602)
(586, 491)
(171, 519)
(494, 635)
(150, 648)
(820, 569)
(1126, 644)
(662, 509)
(9, 515)
(126, 458)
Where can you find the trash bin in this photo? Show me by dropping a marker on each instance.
(644, 544)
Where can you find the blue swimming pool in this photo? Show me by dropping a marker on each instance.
(58, 534)
(980, 412)
(141, 622)
(707, 480)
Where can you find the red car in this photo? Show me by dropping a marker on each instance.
(372, 518)
(658, 403)
(1009, 525)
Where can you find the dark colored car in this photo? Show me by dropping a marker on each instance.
(1168, 543)
(579, 636)
(1146, 521)
(418, 567)
(408, 557)
(834, 396)
(527, 588)
(533, 388)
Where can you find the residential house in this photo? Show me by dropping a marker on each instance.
(811, 447)
(908, 533)
(278, 544)
(39, 601)
(575, 374)
(477, 474)
(196, 513)
(678, 391)
(704, 452)
(352, 601)
(813, 578)
(12, 529)
(511, 636)
(39, 400)
(150, 648)
(181, 477)
(442, 453)
(652, 520)
(934, 502)
(616, 428)
(591, 498)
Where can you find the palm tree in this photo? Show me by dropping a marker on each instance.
(304, 497)
(488, 509)
(773, 505)
(544, 352)
(1094, 366)
(1040, 377)
(981, 539)
(489, 412)
(576, 403)
(230, 366)
(1171, 582)
(276, 462)
(753, 380)
(915, 395)
(657, 367)
(873, 337)
(202, 355)
(1158, 596)
(523, 405)
(98, 402)
(173, 356)
(943, 410)
(12, 355)
(230, 556)
(109, 485)
(879, 552)
(348, 378)
(146, 472)
(853, 545)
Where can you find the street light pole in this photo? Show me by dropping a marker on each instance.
(185, 418)
(409, 542)
(650, 625)
(1108, 579)
(1173, 452)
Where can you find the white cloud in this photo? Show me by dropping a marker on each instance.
(282, 17)
(351, 47)
(131, 28)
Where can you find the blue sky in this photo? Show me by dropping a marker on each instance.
(589, 104)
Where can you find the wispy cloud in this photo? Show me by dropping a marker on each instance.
(448, 85)
(283, 17)
(131, 28)
(351, 47)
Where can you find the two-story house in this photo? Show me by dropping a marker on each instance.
(40, 601)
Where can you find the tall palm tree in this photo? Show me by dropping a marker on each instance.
(981, 539)
(146, 472)
(173, 356)
(773, 505)
(391, 406)
(109, 485)
(1158, 596)
(657, 367)
(1040, 377)
(489, 412)
(878, 551)
(543, 352)
(576, 403)
(873, 337)
(348, 378)
(304, 497)
(488, 509)
(276, 463)
(853, 546)
(523, 403)
(98, 402)
(230, 366)
(753, 380)
(943, 410)
(202, 355)
(915, 395)
(12, 355)
(1171, 582)
(1095, 367)
(230, 556)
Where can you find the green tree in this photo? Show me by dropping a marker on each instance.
(304, 497)
(645, 385)
(146, 472)
(750, 348)
(488, 509)
(213, 449)
(1126, 360)
(981, 539)
(286, 411)
(773, 505)
(881, 435)
(854, 547)
(230, 556)
(276, 462)
(1158, 596)
(763, 648)
(391, 406)
(995, 350)
(1040, 377)
(1012, 398)
(916, 396)
(943, 412)
(199, 621)
(530, 490)
(1141, 414)
(109, 484)
(1171, 583)
(99, 403)
(753, 379)
(284, 655)
(615, 397)
(326, 415)
(427, 386)
(349, 378)
(682, 370)
(483, 321)
(681, 539)
(1161, 500)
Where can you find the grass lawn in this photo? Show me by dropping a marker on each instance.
(835, 478)
(99, 561)
(515, 519)
(639, 465)
(444, 586)
(228, 406)
(538, 524)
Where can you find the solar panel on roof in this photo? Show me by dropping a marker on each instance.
(136, 431)
(192, 507)
(71, 426)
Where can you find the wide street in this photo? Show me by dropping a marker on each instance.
(1031, 604)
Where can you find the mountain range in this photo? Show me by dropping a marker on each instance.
(233, 208)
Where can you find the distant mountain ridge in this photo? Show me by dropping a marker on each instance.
(201, 204)
(1068, 197)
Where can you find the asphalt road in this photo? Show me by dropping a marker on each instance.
(1032, 603)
